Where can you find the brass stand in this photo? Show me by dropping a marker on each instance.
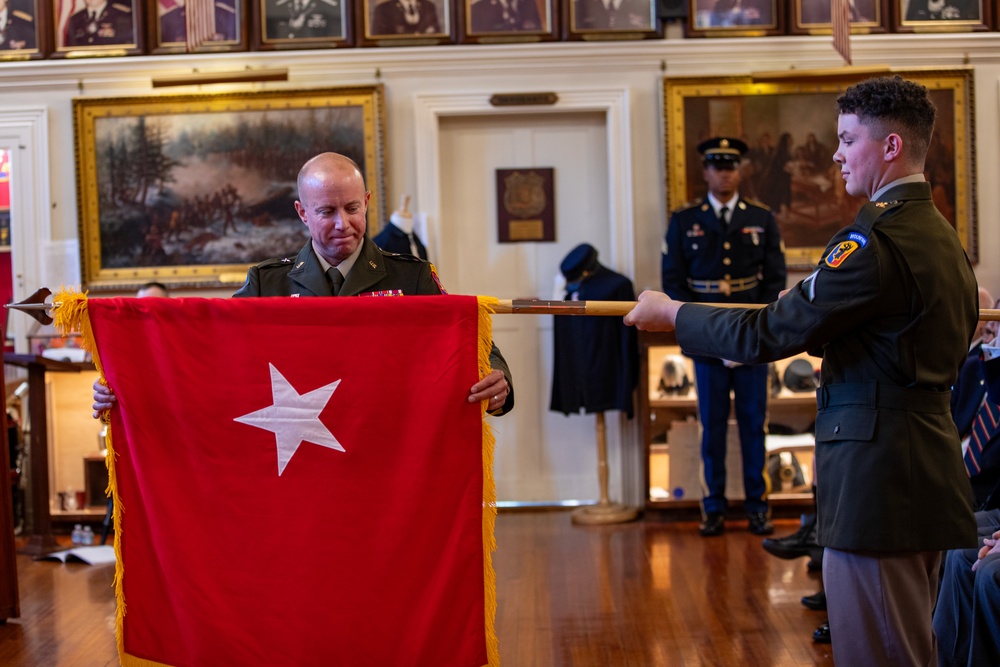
(604, 511)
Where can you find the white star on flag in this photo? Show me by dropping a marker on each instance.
(294, 417)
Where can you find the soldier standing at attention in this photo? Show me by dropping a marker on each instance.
(727, 249)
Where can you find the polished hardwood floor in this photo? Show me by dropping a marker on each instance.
(641, 594)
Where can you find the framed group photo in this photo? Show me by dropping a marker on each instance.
(22, 36)
(191, 190)
(406, 22)
(223, 30)
(611, 19)
(791, 131)
(98, 27)
(735, 18)
(302, 24)
(812, 17)
(493, 21)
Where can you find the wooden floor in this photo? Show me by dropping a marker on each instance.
(642, 594)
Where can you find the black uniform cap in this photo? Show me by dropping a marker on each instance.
(580, 259)
(722, 151)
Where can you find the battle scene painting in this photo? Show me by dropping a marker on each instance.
(791, 132)
(194, 198)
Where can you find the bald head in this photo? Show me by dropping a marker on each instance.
(333, 204)
(326, 167)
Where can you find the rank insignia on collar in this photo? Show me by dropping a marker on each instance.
(372, 264)
(299, 265)
(704, 207)
(742, 206)
(881, 204)
(840, 253)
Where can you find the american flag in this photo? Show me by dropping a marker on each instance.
(199, 22)
(840, 11)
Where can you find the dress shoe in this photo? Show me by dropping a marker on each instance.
(800, 543)
(759, 523)
(815, 602)
(822, 634)
(815, 563)
(714, 524)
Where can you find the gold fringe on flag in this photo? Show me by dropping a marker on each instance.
(487, 306)
(72, 317)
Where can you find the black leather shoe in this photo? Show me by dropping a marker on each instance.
(822, 634)
(800, 543)
(815, 602)
(759, 523)
(714, 524)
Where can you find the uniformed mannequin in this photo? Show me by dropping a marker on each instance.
(737, 257)
(398, 236)
(595, 358)
(595, 364)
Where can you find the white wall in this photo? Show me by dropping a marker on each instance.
(452, 70)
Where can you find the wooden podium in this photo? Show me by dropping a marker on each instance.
(40, 540)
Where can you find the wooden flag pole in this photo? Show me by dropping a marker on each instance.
(622, 308)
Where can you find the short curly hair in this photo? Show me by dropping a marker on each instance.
(890, 104)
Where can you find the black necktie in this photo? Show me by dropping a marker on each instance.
(336, 279)
(723, 212)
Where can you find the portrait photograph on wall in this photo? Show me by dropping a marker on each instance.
(735, 18)
(789, 165)
(98, 27)
(302, 24)
(221, 28)
(611, 19)
(406, 22)
(21, 36)
(942, 15)
(492, 21)
(192, 190)
(812, 17)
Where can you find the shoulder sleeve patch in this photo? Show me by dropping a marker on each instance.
(840, 253)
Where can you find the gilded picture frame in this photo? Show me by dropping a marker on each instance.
(302, 24)
(597, 20)
(97, 28)
(789, 125)
(191, 190)
(26, 35)
(942, 16)
(168, 27)
(501, 21)
(732, 18)
(409, 23)
(812, 17)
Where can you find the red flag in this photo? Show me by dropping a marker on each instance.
(299, 481)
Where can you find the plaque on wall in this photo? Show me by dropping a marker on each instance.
(526, 207)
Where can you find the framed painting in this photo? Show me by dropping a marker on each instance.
(789, 165)
(735, 18)
(942, 15)
(97, 27)
(191, 190)
(812, 17)
(406, 22)
(222, 29)
(23, 35)
(611, 20)
(302, 24)
(496, 21)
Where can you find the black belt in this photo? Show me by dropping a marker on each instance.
(875, 395)
(726, 287)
